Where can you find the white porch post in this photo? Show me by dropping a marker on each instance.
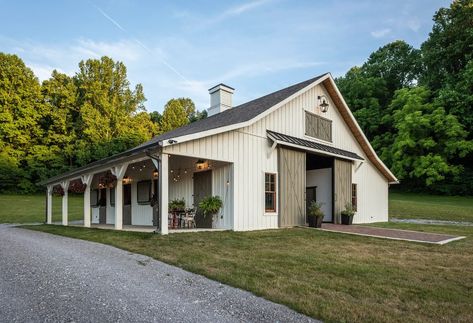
(65, 187)
(49, 204)
(119, 172)
(87, 180)
(163, 193)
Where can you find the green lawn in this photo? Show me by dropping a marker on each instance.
(329, 276)
(422, 206)
(31, 208)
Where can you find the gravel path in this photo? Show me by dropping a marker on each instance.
(48, 278)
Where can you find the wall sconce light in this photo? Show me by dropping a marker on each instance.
(200, 164)
(127, 180)
(155, 174)
(323, 103)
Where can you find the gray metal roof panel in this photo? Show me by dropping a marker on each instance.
(313, 145)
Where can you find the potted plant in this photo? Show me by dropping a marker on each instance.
(315, 214)
(210, 206)
(177, 205)
(347, 214)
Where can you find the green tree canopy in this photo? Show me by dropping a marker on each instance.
(449, 48)
(21, 110)
(174, 115)
(427, 139)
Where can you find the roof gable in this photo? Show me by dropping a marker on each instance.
(239, 114)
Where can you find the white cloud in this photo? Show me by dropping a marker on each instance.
(381, 32)
(244, 7)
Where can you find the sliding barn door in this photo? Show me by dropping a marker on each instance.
(292, 173)
(342, 187)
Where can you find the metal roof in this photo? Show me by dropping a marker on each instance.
(238, 114)
(304, 144)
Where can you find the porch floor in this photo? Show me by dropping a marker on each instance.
(395, 234)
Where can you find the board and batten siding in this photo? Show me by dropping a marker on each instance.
(290, 119)
(250, 157)
(249, 150)
(292, 184)
(342, 180)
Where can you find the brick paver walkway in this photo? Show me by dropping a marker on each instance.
(391, 233)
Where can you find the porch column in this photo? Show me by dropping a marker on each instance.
(65, 187)
(119, 172)
(163, 193)
(49, 204)
(87, 180)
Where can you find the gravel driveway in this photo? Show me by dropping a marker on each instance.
(46, 278)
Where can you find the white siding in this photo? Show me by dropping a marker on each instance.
(322, 178)
(250, 160)
(248, 149)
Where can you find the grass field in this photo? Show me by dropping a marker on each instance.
(422, 206)
(329, 276)
(31, 208)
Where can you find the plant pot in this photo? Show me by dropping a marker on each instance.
(347, 219)
(315, 221)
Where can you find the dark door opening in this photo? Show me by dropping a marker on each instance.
(202, 189)
(127, 204)
(102, 205)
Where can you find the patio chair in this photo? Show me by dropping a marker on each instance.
(189, 219)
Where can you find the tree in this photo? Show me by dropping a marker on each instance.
(58, 123)
(174, 115)
(108, 108)
(427, 141)
(449, 47)
(21, 109)
(198, 115)
(457, 98)
(397, 63)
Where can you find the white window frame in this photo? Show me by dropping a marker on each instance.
(276, 201)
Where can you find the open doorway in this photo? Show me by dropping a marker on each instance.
(319, 183)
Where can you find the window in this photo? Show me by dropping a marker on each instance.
(94, 198)
(270, 192)
(318, 127)
(354, 196)
(112, 196)
(144, 192)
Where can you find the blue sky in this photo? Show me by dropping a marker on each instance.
(182, 48)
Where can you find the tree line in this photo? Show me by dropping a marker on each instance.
(64, 122)
(416, 105)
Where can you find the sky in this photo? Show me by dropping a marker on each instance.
(182, 48)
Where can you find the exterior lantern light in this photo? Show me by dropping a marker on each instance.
(323, 103)
(127, 180)
(200, 164)
(155, 174)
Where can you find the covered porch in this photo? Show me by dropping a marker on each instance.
(152, 189)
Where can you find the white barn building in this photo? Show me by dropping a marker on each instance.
(265, 159)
